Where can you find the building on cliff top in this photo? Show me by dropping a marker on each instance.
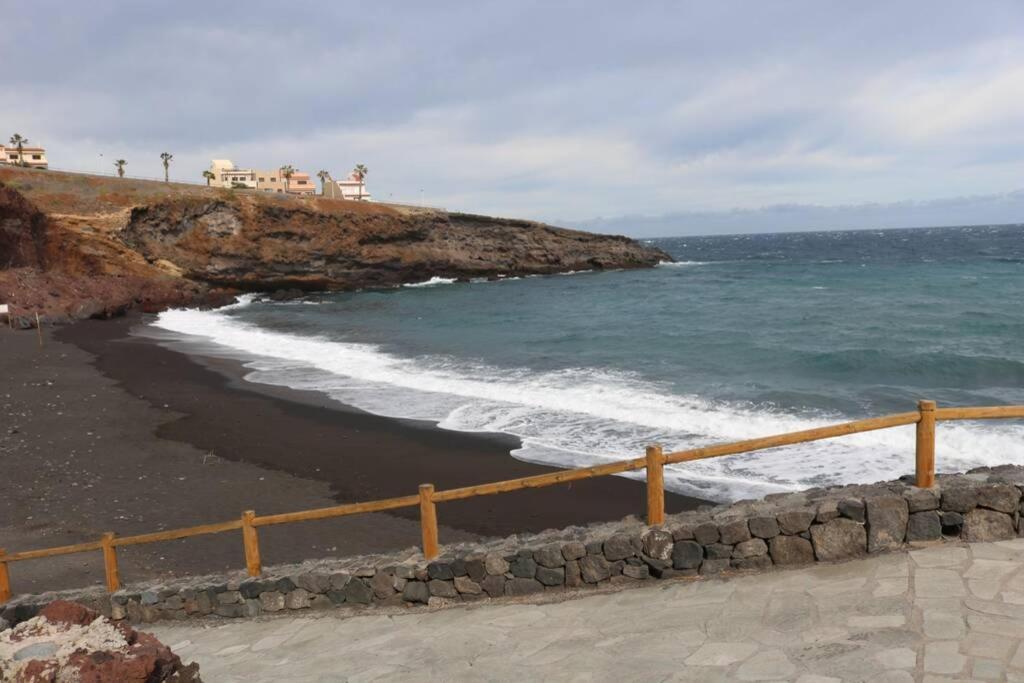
(273, 181)
(226, 174)
(33, 157)
(352, 187)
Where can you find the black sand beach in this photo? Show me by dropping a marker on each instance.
(104, 431)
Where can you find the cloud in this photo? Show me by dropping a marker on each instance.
(542, 110)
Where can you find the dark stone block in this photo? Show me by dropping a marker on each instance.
(358, 592)
(793, 522)
(687, 555)
(839, 539)
(338, 597)
(615, 568)
(595, 548)
(442, 589)
(651, 562)
(636, 572)
(285, 585)
(921, 500)
(987, 525)
(551, 576)
(523, 567)
(682, 533)
(459, 567)
(952, 523)
(706, 533)
(718, 551)
(763, 527)
(441, 571)
(549, 556)
(999, 497)
(851, 508)
(925, 526)
(594, 568)
(382, 585)
(573, 550)
(887, 523)
(414, 591)
(734, 532)
(493, 585)
(573, 578)
(476, 570)
(790, 550)
(751, 548)
(252, 588)
(959, 499)
(618, 547)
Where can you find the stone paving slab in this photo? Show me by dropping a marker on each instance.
(936, 614)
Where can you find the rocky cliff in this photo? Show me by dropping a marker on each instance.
(80, 246)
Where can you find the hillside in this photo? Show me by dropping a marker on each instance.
(75, 246)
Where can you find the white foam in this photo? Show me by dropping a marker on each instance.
(583, 416)
(680, 264)
(432, 282)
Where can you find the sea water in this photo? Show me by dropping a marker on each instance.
(744, 336)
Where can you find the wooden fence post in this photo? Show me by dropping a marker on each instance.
(110, 563)
(5, 580)
(252, 544)
(655, 486)
(926, 445)
(428, 521)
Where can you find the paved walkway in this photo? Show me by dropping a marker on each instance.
(942, 613)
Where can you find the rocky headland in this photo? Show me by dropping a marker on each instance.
(75, 246)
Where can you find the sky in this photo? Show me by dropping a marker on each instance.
(646, 118)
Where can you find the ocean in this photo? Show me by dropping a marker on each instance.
(744, 336)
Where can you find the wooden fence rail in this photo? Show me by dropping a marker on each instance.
(925, 418)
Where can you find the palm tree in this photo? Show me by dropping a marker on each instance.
(323, 176)
(120, 163)
(19, 142)
(208, 174)
(166, 157)
(286, 173)
(360, 173)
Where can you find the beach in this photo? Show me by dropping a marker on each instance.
(105, 431)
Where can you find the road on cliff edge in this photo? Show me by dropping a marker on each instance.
(942, 613)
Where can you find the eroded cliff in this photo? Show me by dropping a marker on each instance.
(68, 240)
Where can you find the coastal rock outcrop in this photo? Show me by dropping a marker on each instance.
(250, 244)
(75, 246)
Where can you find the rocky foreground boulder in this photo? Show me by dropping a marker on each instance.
(69, 642)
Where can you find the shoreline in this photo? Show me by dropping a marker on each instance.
(330, 441)
(112, 432)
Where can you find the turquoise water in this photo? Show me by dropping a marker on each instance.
(745, 336)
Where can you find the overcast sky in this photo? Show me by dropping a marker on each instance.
(548, 110)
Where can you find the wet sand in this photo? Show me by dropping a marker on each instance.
(104, 431)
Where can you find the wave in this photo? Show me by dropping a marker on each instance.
(432, 282)
(584, 416)
(680, 264)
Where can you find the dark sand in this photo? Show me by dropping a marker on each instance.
(105, 431)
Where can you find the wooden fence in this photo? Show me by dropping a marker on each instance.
(654, 461)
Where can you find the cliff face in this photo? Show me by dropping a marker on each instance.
(250, 244)
(74, 246)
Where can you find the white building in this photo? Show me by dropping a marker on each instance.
(225, 174)
(349, 188)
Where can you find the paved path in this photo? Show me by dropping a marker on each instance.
(942, 613)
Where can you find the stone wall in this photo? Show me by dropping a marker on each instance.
(818, 525)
